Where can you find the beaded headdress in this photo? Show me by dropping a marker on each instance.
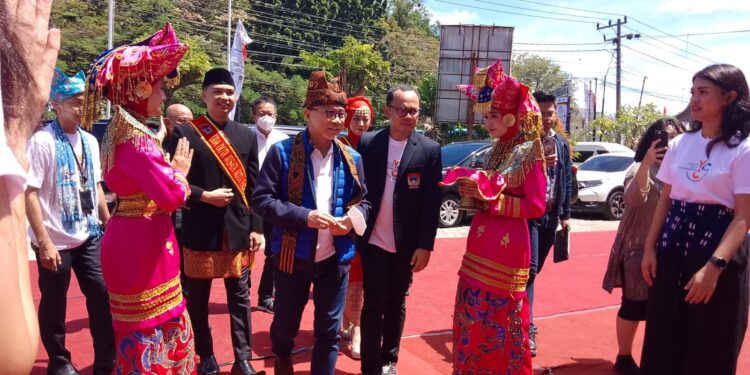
(127, 73)
(491, 89)
(357, 105)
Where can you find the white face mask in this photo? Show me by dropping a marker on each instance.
(265, 123)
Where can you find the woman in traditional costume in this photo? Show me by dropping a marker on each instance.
(359, 117)
(140, 258)
(696, 256)
(491, 317)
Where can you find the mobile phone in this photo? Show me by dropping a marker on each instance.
(663, 138)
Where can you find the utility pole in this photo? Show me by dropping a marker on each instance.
(643, 86)
(617, 41)
(110, 40)
(229, 35)
(604, 92)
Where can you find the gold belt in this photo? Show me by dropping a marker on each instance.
(137, 205)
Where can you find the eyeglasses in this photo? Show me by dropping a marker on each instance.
(402, 112)
(332, 114)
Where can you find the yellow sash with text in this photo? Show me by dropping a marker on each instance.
(224, 152)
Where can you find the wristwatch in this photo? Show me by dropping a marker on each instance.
(719, 262)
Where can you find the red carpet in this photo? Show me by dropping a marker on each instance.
(574, 315)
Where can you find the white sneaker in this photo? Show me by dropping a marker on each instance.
(390, 369)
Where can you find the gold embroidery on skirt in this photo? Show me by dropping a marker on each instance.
(201, 264)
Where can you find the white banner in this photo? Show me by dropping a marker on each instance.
(237, 60)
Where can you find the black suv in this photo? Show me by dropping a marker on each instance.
(470, 154)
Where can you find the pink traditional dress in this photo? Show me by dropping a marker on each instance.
(491, 317)
(140, 258)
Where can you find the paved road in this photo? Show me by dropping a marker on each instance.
(579, 223)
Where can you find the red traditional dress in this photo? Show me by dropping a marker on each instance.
(357, 105)
(491, 317)
(140, 258)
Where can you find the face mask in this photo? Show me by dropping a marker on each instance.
(265, 123)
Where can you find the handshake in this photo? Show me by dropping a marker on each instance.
(338, 226)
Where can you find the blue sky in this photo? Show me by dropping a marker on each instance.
(668, 61)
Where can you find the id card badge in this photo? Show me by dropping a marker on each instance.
(87, 201)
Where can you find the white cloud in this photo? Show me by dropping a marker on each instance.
(702, 6)
(453, 17)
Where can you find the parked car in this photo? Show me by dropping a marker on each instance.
(469, 154)
(601, 184)
(585, 150)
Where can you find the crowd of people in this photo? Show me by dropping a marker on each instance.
(346, 220)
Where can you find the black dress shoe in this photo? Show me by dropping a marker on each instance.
(283, 366)
(66, 369)
(532, 342)
(208, 366)
(244, 368)
(625, 365)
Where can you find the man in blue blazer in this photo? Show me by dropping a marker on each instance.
(311, 189)
(559, 187)
(402, 169)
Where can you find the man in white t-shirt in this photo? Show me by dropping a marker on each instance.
(66, 209)
(264, 115)
(402, 170)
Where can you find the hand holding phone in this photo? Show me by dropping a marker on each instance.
(663, 138)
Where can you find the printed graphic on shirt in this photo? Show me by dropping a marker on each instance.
(393, 169)
(695, 172)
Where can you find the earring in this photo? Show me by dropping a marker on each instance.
(509, 120)
(143, 90)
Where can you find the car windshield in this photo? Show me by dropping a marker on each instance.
(581, 156)
(454, 153)
(608, 163)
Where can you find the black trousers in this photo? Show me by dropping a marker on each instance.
(541, 238)
(238, 301)
(265, 287)
(85, 261)
(386, 278)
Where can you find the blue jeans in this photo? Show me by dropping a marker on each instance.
(329, 281)
(542, 237)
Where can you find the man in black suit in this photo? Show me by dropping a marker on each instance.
(220, 234)
(559, 187)
(402, 170)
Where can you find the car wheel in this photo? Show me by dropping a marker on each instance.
(450, 215)
(615, 205)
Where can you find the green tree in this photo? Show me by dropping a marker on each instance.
(412, 55)
(539, 73)
(427, 88)
(628, 128)
(286, 27)
(360, 64)
(410, 15)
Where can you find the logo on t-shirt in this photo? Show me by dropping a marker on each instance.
(393, 169)
(696, 171)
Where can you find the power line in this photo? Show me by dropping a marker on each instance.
(561, 50)
(513, 13)
(560, 44)
(681, 50)
(571, 8)
(656, 58)
(666, 33)
(537, 10)
(654, 36)
(674, 53)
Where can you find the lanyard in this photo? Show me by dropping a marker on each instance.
(79, 164)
